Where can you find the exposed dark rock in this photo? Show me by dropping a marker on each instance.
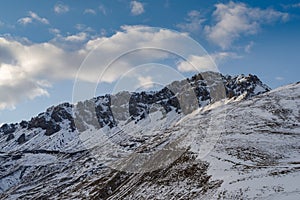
(51, 119)
(21, 139)
(182, 96)
(24, 124)
(10, 137)
(76, 173)
(8, 128)
(41, 122)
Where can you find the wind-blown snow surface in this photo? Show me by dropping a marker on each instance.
(258, 155)
(254, 153)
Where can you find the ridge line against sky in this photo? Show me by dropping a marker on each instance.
(42, 45)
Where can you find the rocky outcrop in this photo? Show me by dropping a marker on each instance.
(52, 119)
(10, 137)
(8, 128)
(182, 96)
(21, 139)
(256, 154)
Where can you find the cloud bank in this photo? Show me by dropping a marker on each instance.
(28, 69)
(233, 20)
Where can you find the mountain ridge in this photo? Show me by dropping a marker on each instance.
(234, 86)
(255, 154)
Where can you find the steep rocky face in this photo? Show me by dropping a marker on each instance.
(108, 110)
(50, 120)
(256, 155)
(251, 85)
(8, 128)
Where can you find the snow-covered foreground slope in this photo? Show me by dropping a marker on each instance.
(231, 149)
(258, 154)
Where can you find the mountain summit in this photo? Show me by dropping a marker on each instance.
(109, 109)
(150, 145)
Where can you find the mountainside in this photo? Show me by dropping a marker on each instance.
(110, 110)
(234, 139)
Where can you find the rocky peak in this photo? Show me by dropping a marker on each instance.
(108, 110)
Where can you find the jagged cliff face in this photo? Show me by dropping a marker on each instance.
(57, 155)
(108, 110)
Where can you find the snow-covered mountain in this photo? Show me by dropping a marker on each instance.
(234, 139)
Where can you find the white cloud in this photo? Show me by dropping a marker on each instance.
(89, 11)
(32, 17)
(54, 31)
(200, 63)
(236, 19)
(61, 8)
(205, 62)
(80, 27)
(193, 22)
(145, 82)
(29, 66)
(25, 20)
(16, 86)
(38, 18)
(102, 9)
(26, 66)
(137, 8)
(84, 28)
(77, 37)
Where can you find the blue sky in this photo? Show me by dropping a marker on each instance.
(44, 43)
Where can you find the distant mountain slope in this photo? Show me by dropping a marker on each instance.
(60, 121)
(255, 154)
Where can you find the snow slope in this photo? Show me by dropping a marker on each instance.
(235, 148)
